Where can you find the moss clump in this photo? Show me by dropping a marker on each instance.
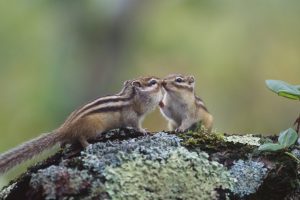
(249, 175)
(184, 175)
(203, 139)
(57, 182)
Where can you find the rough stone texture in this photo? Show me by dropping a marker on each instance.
(249, 175)
(183, 175)
(244, 139)
(193, 165)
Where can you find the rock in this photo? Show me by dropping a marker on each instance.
(195, 165)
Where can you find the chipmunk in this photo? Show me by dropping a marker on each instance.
(125, 109)
(180, 106)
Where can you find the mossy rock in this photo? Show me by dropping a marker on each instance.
(195, 165)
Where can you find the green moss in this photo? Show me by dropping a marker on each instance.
(201, 138)
(184, 175)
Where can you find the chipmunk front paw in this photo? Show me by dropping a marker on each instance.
(179, 130)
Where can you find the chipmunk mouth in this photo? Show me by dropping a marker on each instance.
(161, 104)
(164, 84)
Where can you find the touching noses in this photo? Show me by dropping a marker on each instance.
(164, 83)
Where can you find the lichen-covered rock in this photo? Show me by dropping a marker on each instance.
(194, 165)
(244, 139)
(157, 147)
(249, 175)
(59, 182)
(155, 167)
(5, 192)
(184, 175)
(296, 152)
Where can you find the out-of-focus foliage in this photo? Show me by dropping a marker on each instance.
(56, 55)
(286, 139)
(284, 89)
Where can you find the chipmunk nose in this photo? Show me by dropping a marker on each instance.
(164, 83)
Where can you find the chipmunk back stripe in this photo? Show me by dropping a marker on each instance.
(101, 104)
(108, 101)
(199, 99)
(200, 103)
(107, 109)
(110, 104)
(103, 101)
(101, 107)
(202, 106)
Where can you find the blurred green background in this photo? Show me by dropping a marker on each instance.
(57, 55)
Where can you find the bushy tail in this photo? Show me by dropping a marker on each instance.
(27, 150)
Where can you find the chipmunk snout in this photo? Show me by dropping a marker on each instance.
(164, 83)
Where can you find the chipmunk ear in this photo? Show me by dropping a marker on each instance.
(136, 84)
(126, 82)
(191, 79)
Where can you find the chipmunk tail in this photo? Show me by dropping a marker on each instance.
(27, 150)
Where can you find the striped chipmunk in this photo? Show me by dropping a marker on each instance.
(125, 109)
(180, 106)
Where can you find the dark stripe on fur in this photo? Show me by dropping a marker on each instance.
(111, 108)
(99, 102)
(183, 87)
(106, 109)
(198, 100)
(202, 106)
(102, 101)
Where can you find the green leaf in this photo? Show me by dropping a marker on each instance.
(270, 147)
(288, 137)
(284, 89)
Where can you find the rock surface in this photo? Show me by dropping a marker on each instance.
(122, 164)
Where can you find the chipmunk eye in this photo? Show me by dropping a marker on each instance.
(152, 82)
(179, 80)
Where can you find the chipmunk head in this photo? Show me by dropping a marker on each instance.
(148, 91)
(178, 83)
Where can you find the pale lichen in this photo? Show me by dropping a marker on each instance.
(244, 139)
(184, 175)
(249, 175)
(6, 191)
(296, 152)
(157, 147)
(59, 182)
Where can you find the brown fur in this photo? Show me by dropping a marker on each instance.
(125, 109)
(27, 150)
(180, 106)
